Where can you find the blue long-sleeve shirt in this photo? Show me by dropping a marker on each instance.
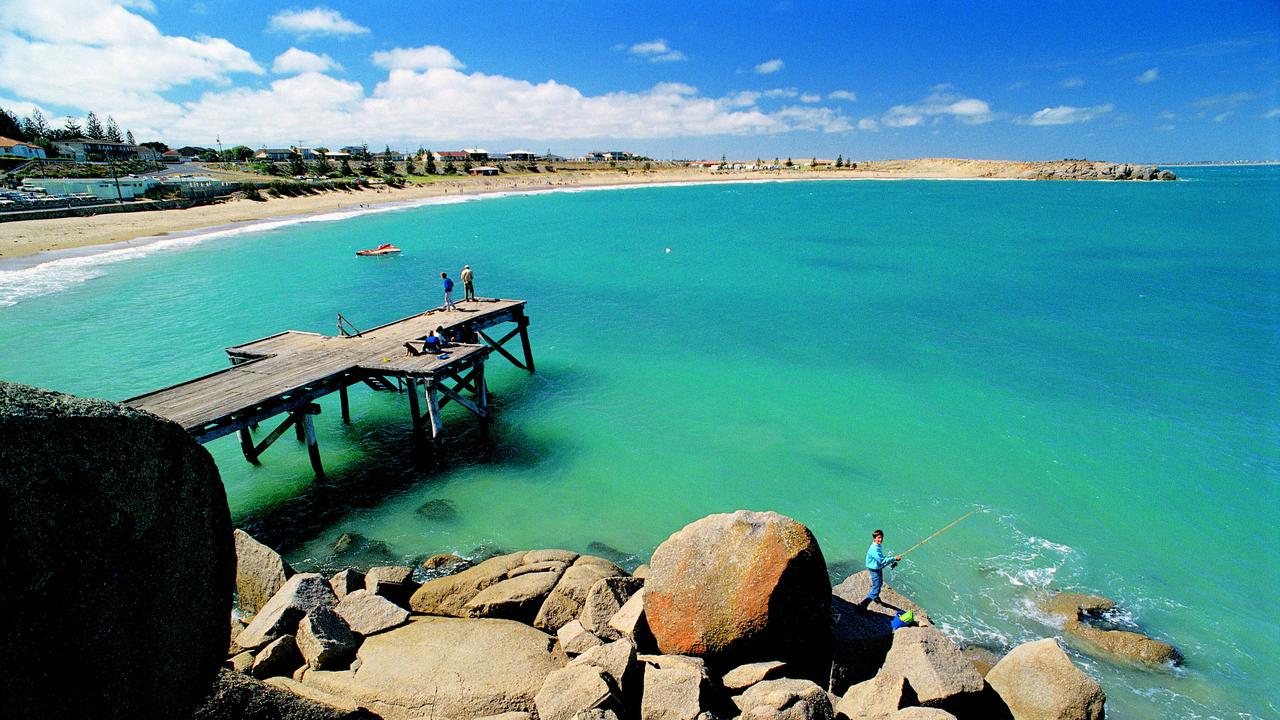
(876, 559)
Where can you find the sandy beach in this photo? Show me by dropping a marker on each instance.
(23, 239)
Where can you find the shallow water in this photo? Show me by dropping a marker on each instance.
(1092, 364)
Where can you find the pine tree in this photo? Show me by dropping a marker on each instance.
(35, 126)
(840, 161)
(466, 165)
(71, 128)
(431, 163)
(296, 166)
(113, 130)
(388, 167)
(93, 128)
(367, 169)
(408, 165)
(449, 168)
(128, 137)
(345, 168)
(789, 163)
(11, 127)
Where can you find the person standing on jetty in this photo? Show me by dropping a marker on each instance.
(876, 563)
(448, 292)
(469, 290)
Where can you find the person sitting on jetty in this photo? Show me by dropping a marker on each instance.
(904, 619)
(876, 563)
(431, 344)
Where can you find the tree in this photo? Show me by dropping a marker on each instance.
(35, 126)
(388, 167)
(71, 128)
(322, 166)
(11, 127)
(93, 128)
(449, 168)
(113, 130)
(789, 163)
(408, 165)
(431, 163)
(840, 161)
(296, 166)
(240, 153)
(156, 145)
(466, 165)
(367, 169)
(345, 168)
(128, 137)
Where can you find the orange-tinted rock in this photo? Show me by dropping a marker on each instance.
(742, 587)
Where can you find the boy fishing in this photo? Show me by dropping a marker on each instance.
(876, 563)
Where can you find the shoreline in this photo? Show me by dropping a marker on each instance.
(27, 243)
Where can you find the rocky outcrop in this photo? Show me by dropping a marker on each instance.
(742, 587)
(675, 687)
(745, 676)
(366, 613)
(564, 603)
(604, 600)
(118, 562)
(240, 697)
(346, 581)
(282, 613)
(784, 699)
(325, 640)
(1037, 681)
(879, 697)
(448, 667)
(393, 582)
(934, 667)
(576, 639)
(863, 635)
(575, 689)
(1079, 611)
(278, 657)
(260, 572)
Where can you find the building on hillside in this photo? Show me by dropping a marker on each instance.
(521, 155)
(606, 156)
(171, 156)
(393, 156)
(17, 148)
(484, 170)
(338, 155)
(125, 188)
(85, 149)
(354, 150)
(476, 154)
(457, 156)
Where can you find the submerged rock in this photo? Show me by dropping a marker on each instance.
(1080, 611)
(353, 548)
(439, 510)
(118, 563)
(742, 587)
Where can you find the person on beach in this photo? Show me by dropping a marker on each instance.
(469, 289)
(876, 563)
(448, 292)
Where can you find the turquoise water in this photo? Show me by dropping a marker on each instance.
(1093, 365)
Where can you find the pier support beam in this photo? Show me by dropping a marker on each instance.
(346, 404)
(313, 448)
(300, 419)
(521, 329)
(524, 342)
(414, 413)
(433, 413)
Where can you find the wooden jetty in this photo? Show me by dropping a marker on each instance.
(285, 373)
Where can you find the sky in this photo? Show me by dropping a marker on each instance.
(1121, 81)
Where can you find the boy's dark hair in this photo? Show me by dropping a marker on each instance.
(876, 534)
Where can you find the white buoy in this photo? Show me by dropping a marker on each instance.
(668, 249)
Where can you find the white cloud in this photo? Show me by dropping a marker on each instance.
(1066, 115)
(843, 95)
(940, 103)
(108, 59)
(810, 98)
(143, 5)
(1149, 76)
(789, 92)
(656, 51)
(1230, 100)
(1166, 115)
(294, 61)
(1222, 116)
(406, 107)
(427, 57)
(768, 67)
(1074, 82)
(318, 20)
(868, 124)
(1272, 113)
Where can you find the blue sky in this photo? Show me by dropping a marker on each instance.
(1157, 82)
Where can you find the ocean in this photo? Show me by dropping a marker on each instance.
(1091, 365)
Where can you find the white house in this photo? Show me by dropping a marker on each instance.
(129, 187)
(20, 149)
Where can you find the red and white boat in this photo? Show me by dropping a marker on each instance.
(384, 249)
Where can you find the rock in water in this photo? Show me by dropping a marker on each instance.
(742, 587)
(1039, 682)
(118, 562)
(260, 572)
(439, 510)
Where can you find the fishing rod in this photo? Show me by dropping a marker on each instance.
(952, 524)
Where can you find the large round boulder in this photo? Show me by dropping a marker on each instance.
(742, 587)
(1039, 682)
(118, 564)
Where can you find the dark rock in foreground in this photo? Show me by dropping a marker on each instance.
(240, 697)
(117, 562)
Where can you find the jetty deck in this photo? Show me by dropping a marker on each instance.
(285, 373)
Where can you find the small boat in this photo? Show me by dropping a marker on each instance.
(384, 249)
